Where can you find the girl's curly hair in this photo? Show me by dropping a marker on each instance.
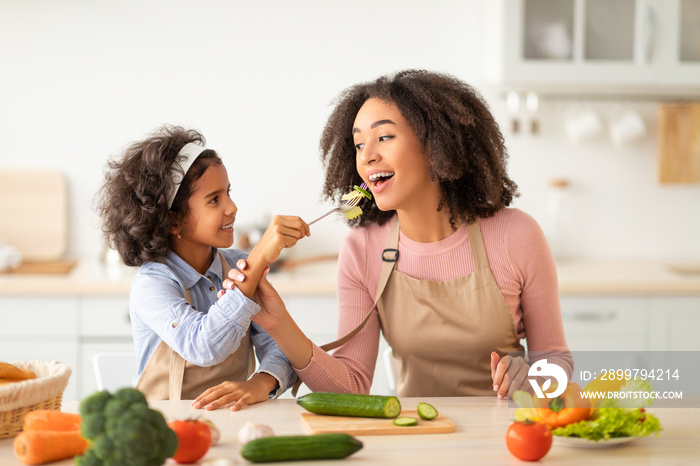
(133, 201)
(458, 135)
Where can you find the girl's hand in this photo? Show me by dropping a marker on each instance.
(237, 394)
(507, 372)
(272, 308)
(283, 232)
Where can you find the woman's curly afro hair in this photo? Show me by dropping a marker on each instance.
(133, 202)
(458, 134)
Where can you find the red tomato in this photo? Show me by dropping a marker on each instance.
(195, 440)
(528, 440)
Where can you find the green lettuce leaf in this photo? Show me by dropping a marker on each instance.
(613, 423)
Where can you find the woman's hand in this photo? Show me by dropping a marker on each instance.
(272, 308)
(506, 373)
(237, 394)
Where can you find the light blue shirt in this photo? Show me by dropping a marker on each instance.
(206, 332)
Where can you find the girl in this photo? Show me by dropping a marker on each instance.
(166, 209)
(452, 277)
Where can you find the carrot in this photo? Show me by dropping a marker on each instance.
(44, 446)
(50, 419)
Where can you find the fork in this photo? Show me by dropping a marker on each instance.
(344, 207)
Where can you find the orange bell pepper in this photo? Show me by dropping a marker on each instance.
(567, 408)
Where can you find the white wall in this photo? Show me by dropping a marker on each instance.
(81, 79)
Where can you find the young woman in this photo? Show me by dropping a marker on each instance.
(166, 209)
(454, 278)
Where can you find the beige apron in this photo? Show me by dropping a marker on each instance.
(168, 376)
(442, 333)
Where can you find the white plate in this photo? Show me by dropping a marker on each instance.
(586, 443)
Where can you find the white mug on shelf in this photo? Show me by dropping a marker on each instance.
(627, 127)
(583, 125)
(10, 258)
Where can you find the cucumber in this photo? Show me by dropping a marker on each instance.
(300, 447)
(406, 421)
(427, 411)
(346, 404)
(363, 191)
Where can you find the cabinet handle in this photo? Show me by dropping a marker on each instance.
(649, 33)
(589, 316)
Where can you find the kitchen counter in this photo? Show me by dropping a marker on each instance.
(90, 277)
(481, 423)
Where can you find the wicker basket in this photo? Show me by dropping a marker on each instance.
(44, 392)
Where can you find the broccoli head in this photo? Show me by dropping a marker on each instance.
(123, 430)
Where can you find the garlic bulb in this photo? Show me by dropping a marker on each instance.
(252, 431)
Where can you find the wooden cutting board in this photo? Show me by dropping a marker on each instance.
(679, 142)
(319, 424)
(34, 213)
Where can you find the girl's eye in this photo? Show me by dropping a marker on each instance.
(359, 145)
(385, 138)
(214, 200)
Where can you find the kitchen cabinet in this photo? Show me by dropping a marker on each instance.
(67, 329)
(621, 46)
(675, 323)
(604, 323)
(631, 323)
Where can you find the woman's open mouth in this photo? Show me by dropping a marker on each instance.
(378, 181)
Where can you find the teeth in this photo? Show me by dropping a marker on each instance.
(226, 227)
(376, 176)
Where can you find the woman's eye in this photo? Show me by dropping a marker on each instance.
(359, 146)
(385, 138)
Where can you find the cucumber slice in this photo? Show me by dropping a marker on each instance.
(363, 191)
(406, 421)
(427, 411)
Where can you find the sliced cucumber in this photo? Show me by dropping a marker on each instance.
(363, 191)
(406, 421)
(427, 411)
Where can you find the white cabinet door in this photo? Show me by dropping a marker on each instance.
(676, 321)
(41, 329)
(105, 317)
(594, 45)
(677, 53)
(105, 327)
(606, 323)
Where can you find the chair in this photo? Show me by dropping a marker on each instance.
(391, 366)
(114, 370)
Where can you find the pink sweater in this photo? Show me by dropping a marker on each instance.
(520, 261)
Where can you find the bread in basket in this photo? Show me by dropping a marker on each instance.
(44, 392)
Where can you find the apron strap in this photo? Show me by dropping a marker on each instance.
(476, 242)
(387, 268)
(177, 362)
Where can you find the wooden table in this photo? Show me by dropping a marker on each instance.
(478, 439)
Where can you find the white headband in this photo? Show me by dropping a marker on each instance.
(191, 151)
